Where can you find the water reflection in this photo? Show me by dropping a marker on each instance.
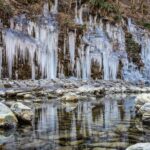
(103, 123)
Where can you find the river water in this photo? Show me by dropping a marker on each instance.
(108, 123)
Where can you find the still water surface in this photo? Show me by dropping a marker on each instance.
(103, 124)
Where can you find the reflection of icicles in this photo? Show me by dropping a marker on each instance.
(48, 121)
(111, 113)
(73, 133)
(86, 116)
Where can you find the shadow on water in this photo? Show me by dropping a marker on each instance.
(103, 124)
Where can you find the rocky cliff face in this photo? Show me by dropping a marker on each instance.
(70, 39)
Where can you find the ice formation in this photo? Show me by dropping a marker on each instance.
(142, 37)
(102, 44)
(35, 41)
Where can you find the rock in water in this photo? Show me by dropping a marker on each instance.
(23, 112)
(7, 117)
(139, 146)
(70, 97)
(145, 112)
(141, 100)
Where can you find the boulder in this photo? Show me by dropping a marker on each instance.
(70, 97)
(28, 96)
(23, 112)
(144, 111)
(141, 99)
(98, 91)
(7, 117)
(139, 146)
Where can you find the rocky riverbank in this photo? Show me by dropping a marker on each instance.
(29, 89)
(13, 92)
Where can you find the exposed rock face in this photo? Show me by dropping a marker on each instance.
(139, 146)
(22, 111)
(7, 118)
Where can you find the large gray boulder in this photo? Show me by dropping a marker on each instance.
(141, 99)
(144, 111)
(7, 117)
(139, 146)
(23, 112)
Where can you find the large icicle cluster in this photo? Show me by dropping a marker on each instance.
(142, 37)
(103, 44)
(35, 41)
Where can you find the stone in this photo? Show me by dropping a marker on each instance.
(70, 97)
(2, 94)
(98, 91)
(139, 146)
(112, 145)
(11, 93)
(23, 112)
(141, 99)
(21, 95)
(28, 96)
(51, 96)
(144, 111)
(7, 117)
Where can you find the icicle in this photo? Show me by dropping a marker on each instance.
(142, 37)
(1, 62)
(46, 9)
(54, 8)
(81, 15)
(78, 69)
(72, 45)
(78, 14)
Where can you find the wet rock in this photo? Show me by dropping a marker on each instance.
(11, 93)
(98, 91)
(21, 95)
(1, 85)
(28, 96)
(74, 143)
(141, 100)
(23, 112)
(139, 146)
(60, 91)
(145, 112)
(2, 94)
(7, 117)
(40, 93)
(37, 100)
(70, 97)
(51, 96)
(6, 136)
(112, 145)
